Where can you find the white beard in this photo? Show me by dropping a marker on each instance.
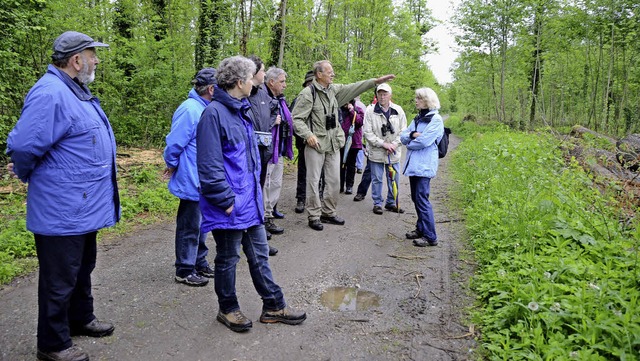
(84, 76)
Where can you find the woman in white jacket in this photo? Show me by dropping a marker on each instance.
(421, 138)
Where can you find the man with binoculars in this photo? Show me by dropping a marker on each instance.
(315, 119)
(383, 123)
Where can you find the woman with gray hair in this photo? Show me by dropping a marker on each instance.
(421, 138)
(231, 198)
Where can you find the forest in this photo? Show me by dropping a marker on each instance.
(557, 259)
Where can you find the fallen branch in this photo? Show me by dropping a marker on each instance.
(419, 285)
(471, 333)
(358, 319)
(407, 257)
(434, 295)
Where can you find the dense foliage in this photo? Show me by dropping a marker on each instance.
(558, 272)
(528, 63)
(157, 45)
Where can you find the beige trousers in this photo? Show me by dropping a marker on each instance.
(272, 186)
(330, 163)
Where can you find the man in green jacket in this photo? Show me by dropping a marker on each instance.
(315, 119)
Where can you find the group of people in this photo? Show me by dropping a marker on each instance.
(224, 161)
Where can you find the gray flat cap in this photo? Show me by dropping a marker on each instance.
(72, 42)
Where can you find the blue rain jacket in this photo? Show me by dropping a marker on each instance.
(422, 152)
(228, 165)
(64, 147)
(180, 152)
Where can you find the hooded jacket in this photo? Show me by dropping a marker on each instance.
(309, 116)
(64, 147)
(228, 165)
(180, 152)
(264, 110)
(374, 119)
(422, 152)
(358, 122)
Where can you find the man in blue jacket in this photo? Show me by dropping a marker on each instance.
(191, 264)
(64, 147)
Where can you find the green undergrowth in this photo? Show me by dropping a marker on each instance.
(144, 199)
(557, 275)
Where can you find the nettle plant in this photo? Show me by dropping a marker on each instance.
(558, 276)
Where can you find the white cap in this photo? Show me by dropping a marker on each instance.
(385, 87)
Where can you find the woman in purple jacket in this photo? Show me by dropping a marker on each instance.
(231, 197)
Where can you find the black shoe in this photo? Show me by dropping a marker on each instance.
(193, 279)
(423, 242)
(332, 220)
(235, 320)
(286, 315)
(94, 328)
(359, 171)
(299, 207)
(273, 251)
(415, 234)
(316, 224)
(277, 214)
(272, 227)
(349, 190)
(392, 208)
(358, 197)
(205, 271)
(377, 210)
(268, 236)
(73, 353)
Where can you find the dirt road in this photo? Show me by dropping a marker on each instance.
(407, 307)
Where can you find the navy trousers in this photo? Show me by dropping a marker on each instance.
(420, 189)
(64, 287)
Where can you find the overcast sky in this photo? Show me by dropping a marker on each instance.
(440, 62)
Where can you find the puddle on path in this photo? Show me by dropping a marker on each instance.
(349, 299)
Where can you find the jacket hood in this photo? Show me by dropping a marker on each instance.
(221, 95)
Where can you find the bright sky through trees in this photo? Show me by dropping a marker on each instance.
(441, 61)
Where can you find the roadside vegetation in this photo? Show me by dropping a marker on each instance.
(144, 199)
(557, 275)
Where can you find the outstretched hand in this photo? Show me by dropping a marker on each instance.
(385, 78)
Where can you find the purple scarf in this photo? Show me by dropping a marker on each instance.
(275, 132)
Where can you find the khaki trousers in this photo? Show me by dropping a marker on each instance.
(316, 163)
(272, 186)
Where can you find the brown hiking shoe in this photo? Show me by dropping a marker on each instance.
(235, 320)
(286, 315)
(73, 353)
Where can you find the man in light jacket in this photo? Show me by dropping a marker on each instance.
(383, 123)
(316, 120)
(191, 264)
(64, 147)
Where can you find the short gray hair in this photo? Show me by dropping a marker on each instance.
(233, 69)
(430, 96)
(201, 89)
(273, 73)
(318, 66)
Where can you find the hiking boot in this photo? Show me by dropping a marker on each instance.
(316, 224)
(235, 320)
(286, 315)
(73, 353)
(332, 220)
(377, 210)
(94, 328)
(277, 214)
(349, 190)
(273, 251)
(272, 227)
(359, 171)
(358, 197)
(299, 207)
(423, 242)
(393, 208)
(193, 279)
(205, 271)
(415, 234)
(268, 235)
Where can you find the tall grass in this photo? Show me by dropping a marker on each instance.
(558, 274)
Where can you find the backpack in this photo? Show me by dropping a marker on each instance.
(443, 144)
